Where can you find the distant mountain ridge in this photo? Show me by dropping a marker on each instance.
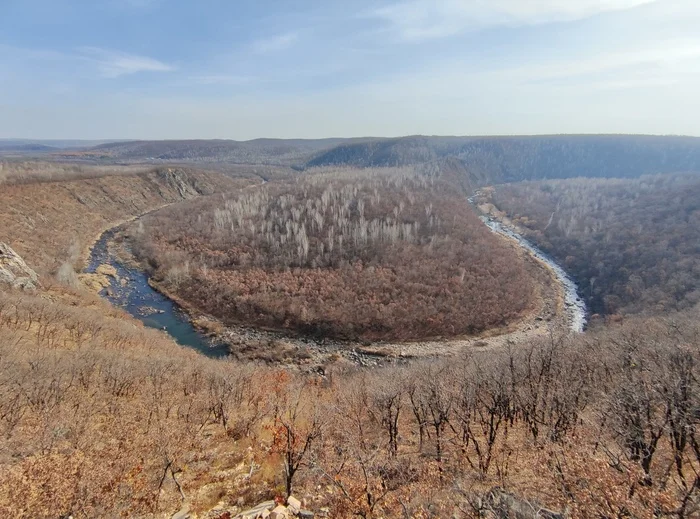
(48, 144)
(508, 159)
(259, 151)
(486, 160)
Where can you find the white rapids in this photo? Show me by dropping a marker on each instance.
(575, 307)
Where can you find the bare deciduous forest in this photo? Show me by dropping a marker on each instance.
(101, 417)
(371, 255)
(633, 245)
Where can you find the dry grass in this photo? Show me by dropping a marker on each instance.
(49, 223)
(100, 417)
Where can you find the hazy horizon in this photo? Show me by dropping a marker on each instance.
(168, 69)
(97, 141)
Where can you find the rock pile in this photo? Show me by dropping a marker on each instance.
(14, 271)
(275, 510)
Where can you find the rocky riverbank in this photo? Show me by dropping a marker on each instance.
(125, 284)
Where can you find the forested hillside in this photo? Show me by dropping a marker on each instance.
(633, 245)
(100, 417)
(488, 160)
(352, 254)
(494, 160)
(260, 151)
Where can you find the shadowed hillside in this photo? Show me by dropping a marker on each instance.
(491, 160)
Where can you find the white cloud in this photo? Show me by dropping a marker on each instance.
(662, 56)
(276, 43)
(115, 64)
(416, 20)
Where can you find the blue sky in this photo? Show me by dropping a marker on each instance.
(240, 69)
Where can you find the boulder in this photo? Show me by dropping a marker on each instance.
(184, 513)
(280, 512)
(259, 512)
(14, 271)
(294, 505)
(275, 510)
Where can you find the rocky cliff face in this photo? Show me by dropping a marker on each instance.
(180, 182)
(14, 271)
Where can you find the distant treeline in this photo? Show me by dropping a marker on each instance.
(486, 160)
(492, 160)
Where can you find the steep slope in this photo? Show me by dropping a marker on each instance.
(492, 160)
(633, 244)
(50, 223)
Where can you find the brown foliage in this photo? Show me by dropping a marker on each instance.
(372, 255)
(632, 245)
(102, 418)
(99, 417)
(53, 222)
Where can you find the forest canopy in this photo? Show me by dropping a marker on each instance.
(372, 254)
(633, 245)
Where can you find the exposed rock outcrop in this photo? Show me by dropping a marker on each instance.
(14, 271)
(276, 510)
(180, 181)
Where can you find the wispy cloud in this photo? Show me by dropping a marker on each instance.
(111, 64)
(416, 20)
(664, 55)
(275, 43)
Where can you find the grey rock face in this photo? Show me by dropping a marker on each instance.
(14, 271)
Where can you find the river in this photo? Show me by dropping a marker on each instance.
(155, 310)
(575, 307)
(151, 307)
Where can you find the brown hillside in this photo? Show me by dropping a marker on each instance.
(49, 223)
(364, 254)
(100, 417)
